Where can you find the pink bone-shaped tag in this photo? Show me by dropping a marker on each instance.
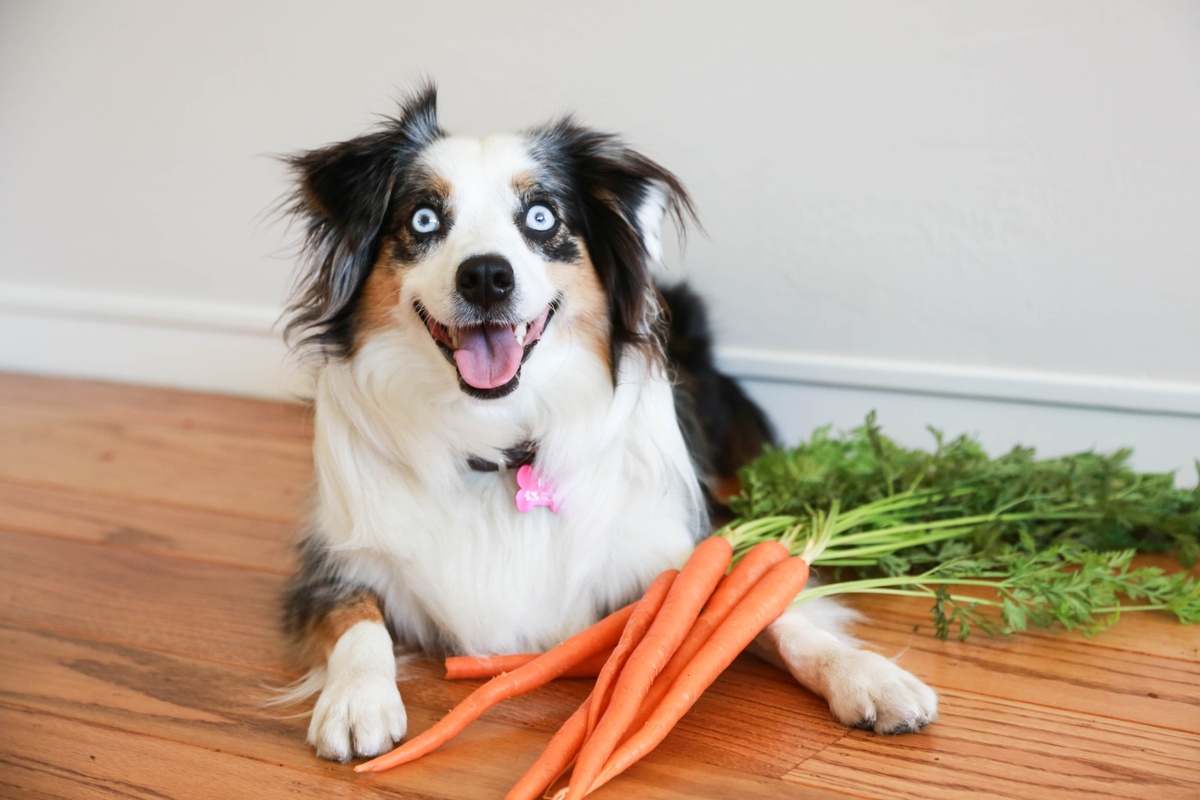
(533, 491)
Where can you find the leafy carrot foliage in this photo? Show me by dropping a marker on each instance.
(1053, 538)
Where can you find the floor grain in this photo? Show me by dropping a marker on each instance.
(145, 534)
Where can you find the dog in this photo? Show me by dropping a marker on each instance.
(487, 322)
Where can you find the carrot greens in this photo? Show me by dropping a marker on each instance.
(1050, 541)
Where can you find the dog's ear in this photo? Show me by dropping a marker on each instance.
(343, 196)
(623, 198)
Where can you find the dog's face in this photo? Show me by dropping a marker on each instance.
(480, 251)
(483, 254)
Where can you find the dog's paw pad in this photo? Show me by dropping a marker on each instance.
(866, 690)
(359, 717)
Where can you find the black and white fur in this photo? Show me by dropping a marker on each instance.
(422, 245)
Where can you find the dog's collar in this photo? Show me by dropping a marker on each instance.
(514, 457)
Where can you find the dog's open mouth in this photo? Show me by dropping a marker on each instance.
(489, 355)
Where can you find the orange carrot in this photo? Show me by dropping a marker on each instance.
(641, 619)
(556, 758)
(465, 668)
(688, 594)
(733, 587)
(758, 609)
(565, 743)
(538, 672)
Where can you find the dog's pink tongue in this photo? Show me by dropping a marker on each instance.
(488, 355)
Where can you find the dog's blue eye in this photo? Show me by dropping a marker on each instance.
(539, 218)
(425, 220)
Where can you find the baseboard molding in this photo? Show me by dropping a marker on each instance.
(238, 349)
(130, 309)
(941, 380)
(205, 346)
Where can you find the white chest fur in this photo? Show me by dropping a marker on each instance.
(457, 565)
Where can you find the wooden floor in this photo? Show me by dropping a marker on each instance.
(144, 536)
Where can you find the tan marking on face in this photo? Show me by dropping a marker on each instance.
(380, 296)
(323, 635)
(523, 183)
(588, 305)
(439, 186)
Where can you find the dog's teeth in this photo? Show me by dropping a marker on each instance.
(520, 331)
(454, 338)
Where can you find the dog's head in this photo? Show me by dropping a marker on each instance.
(477, 248)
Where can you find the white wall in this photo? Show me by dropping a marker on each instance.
(906, 205)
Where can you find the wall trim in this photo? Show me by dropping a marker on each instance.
(955, 380)
(184, 344)
(102, 313)
(162, 312)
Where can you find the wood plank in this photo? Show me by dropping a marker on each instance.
(44, 757)
(214, 705)
(184, 607)
(1063, 672)
(1152, 633)
(150, 527)
(223, 472)
(217, 707)
(99, 401)
(102, 762)
(992, 748)
(140, 595)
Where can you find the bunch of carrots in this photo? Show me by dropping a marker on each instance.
(652, 660)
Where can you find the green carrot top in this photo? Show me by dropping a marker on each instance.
(1052, 537)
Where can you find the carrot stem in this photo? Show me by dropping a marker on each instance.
(538, 672)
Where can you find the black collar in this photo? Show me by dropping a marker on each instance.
(514, 457)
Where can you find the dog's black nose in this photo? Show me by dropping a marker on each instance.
(485, 281)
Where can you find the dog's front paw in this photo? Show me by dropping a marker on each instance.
(866, 690)
(358, 716)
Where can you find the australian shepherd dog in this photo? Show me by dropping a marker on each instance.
(488, 327)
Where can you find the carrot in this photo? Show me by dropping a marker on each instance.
(538, 672)
(565, 743)
(641, 619)
(556, 758)
(769, 598)
(465, 668)
(733, 587)
(695, 584)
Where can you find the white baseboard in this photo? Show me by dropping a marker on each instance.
(181, 344)
(949, 380)
(239, 350)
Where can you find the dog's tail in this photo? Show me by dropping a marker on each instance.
(724, 428)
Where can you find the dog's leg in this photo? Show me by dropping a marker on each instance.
(359, 711)
(341, 631)
(863, 689)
